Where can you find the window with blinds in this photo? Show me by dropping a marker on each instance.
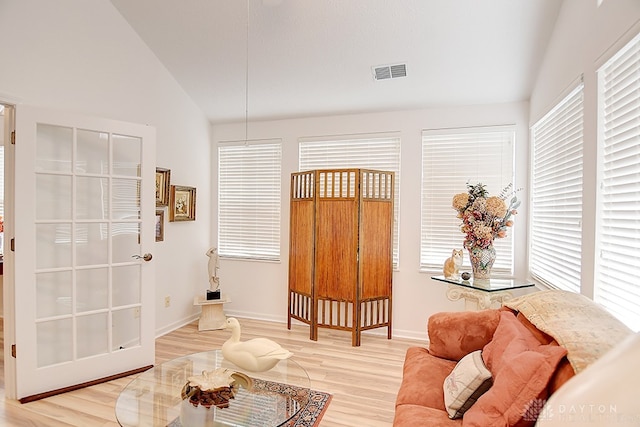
(556, 194)
(249, 199)
(451, 158)
(618, 224)
(379, 151)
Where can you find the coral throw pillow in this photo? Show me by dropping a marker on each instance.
(465, 384)
(453, 335)
(521, 368)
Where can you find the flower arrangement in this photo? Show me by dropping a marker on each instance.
(484, 218)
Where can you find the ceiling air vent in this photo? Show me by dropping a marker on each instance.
(384, 72)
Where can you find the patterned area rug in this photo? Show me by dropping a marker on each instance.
(315, 404)
(311, 415)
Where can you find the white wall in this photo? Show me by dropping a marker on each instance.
(1, 277)
(585, 37)
(82, 56)
(259, 289)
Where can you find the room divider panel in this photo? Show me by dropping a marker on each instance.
(340, 250)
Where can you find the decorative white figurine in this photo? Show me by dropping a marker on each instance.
(214, 265)
(256, 355)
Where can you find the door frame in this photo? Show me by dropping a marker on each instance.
(8, 279)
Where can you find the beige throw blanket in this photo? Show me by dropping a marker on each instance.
(577, 323)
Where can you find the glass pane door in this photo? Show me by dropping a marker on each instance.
(88, 233)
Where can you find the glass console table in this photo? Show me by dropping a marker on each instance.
(482, 294)
(154, 397)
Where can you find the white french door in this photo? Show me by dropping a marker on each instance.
(84, 230)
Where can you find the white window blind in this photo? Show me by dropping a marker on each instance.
(556, 194)
(249, 181)
(451, 158)
(379, 151)
(618, 228)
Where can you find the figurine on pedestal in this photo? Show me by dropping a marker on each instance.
(214, 281)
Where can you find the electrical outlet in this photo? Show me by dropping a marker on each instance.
(167, 301)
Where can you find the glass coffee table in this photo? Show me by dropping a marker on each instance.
(154, 398)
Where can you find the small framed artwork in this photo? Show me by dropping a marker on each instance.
(182, 203)
(163, 178)
(159, 225)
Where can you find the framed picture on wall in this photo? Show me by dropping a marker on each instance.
(163, 178)
(182, 203)
(159, 225)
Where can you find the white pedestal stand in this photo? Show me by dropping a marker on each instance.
(212, 315)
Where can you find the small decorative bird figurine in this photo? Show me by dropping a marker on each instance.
(256, 355)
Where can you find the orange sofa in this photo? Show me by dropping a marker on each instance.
(527, 361)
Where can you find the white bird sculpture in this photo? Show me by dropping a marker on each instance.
(256, 355)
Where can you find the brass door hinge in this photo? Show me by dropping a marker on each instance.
(13, 137)
(13, 244)
(13, 350)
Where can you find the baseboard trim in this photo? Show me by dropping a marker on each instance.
(255, 316)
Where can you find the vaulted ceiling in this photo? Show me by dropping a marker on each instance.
(269, 59)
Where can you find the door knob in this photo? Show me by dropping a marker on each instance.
(146, 257)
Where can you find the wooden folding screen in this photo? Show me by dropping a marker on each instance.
(340, 250)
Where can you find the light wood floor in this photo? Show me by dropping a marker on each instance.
(363, 380)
